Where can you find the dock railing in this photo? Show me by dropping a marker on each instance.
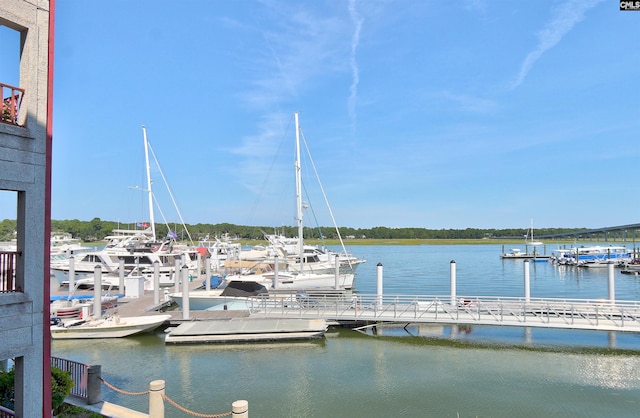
(601, 314)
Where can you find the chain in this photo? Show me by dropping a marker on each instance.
(110, 386)
(197, 414)
(165, 397)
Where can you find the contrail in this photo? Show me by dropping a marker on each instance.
(355, 40)
(564, 19)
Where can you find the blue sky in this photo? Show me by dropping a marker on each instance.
(433, 114)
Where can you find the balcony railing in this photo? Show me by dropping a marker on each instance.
(8, 271)
(11, 103)
(79, 374)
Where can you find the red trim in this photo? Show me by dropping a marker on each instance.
(46, 347)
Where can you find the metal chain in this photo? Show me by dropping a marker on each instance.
(197, 414)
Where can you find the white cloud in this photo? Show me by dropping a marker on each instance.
(355, 40)
(564, 18)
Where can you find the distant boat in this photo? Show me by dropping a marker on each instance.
(112, 326)
(593, 256)
(533, 255)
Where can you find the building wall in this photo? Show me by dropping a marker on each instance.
(23, 151)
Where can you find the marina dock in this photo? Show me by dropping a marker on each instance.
(365, 309)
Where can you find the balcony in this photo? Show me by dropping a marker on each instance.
(11, 103)
(8, 271)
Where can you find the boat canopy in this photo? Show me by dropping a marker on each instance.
(243, 289)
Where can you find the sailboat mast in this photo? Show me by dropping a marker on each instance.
(299, 190)
(146, 158)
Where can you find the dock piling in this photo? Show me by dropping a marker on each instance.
(612, 287)
(452, 279)
(121, 275)
(72, 274)
(240, 409)
(527, 285)
(97, 291)
(156, 399)
(184, 273)
(336, 263)
(379, 284)
(156, 282)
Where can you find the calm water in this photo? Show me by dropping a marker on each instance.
(427, 371)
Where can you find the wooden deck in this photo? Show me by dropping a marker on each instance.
(144, 305)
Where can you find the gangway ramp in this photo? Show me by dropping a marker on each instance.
(600, 315)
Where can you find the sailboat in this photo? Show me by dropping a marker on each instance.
(300, 266)
(534, 254)
(137, 249)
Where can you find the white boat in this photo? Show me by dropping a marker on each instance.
(247, 330)
(246, 295)
(220, 250)
(601, 256)
(265, 273)
(112, 326)
(303, 262)
(235, 293)
(136, 261)
(64, 245)
(77, 307)
(592, 256)
(313, 258)
(138, 250)
(514, 253)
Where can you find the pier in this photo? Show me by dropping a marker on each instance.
(355, 309)
(599, 315)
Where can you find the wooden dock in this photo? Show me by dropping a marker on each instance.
(145, 305)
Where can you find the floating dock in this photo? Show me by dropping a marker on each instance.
(247, 330)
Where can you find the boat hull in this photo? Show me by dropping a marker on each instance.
(112, 327)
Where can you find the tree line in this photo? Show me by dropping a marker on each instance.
(96, 229)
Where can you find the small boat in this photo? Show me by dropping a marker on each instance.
(112, 326)
(533, 255)
(593, 256)
(247, 330)
(514, 253)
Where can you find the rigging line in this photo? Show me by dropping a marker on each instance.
(315, 218)
(175, 205)
(155, 199)
(324, 194)
(269, 172)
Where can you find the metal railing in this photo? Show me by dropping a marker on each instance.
(472, 310)
(8, 271)
(11, 104)
(6, 412)
(79, 374)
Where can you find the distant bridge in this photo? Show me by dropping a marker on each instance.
(621, 233)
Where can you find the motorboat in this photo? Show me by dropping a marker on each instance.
(592, 256)
(250, 295)
(111, 326)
